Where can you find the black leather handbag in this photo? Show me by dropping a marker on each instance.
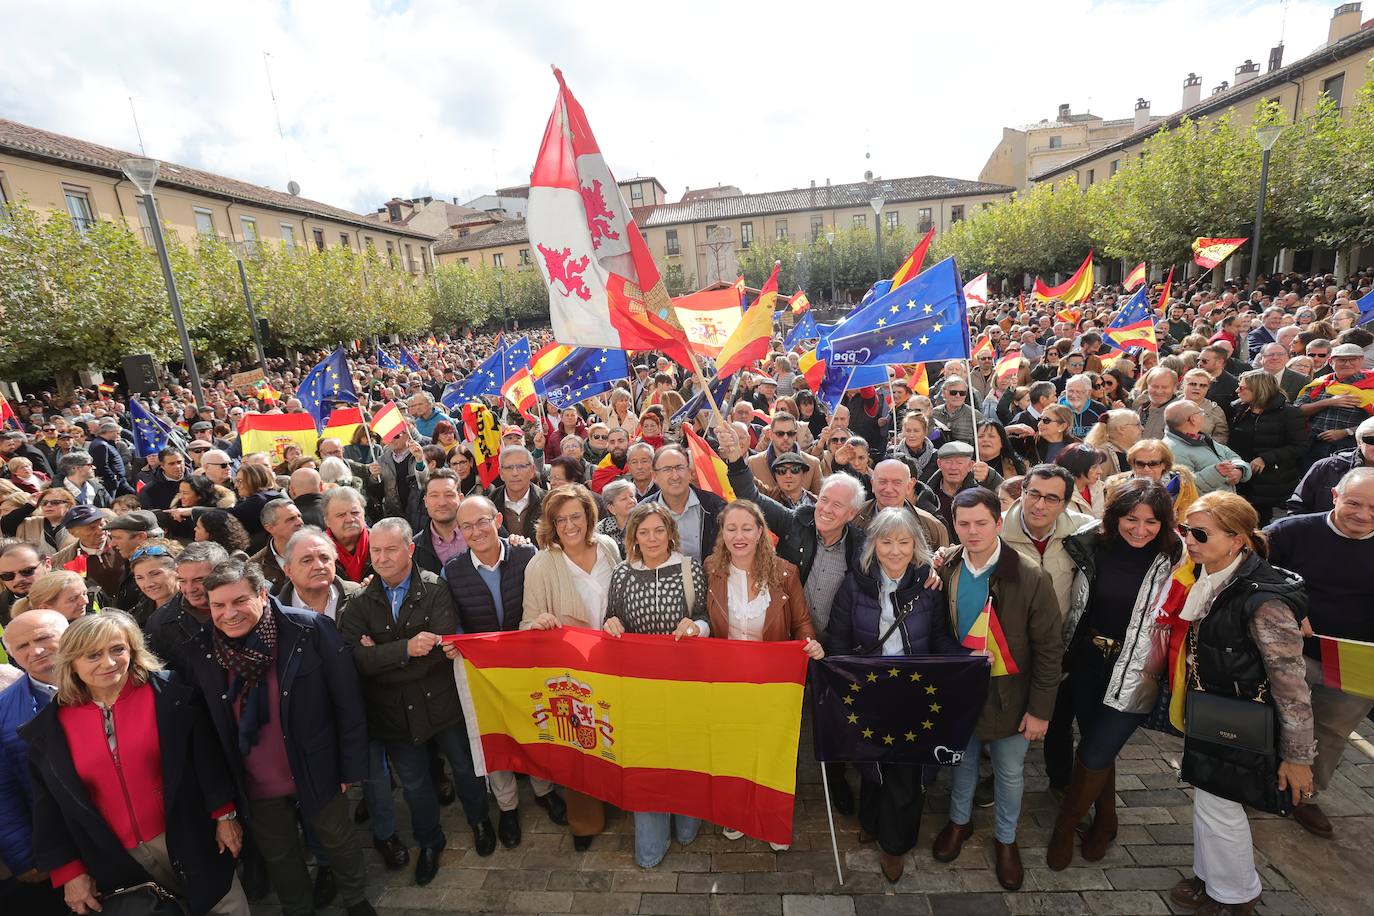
(1230, 749)
(146, 899)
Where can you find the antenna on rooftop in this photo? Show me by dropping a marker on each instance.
(285, 150)
(137, 130)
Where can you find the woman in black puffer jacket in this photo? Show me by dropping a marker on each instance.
(1269, 433)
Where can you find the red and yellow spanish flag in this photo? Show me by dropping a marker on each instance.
(1009, 364)
(1209, 253)
(343, 423)
(749, 341)
(1075, 289)
(986, 635)
(709, 317)
(1163, 303)
(548, 356)
(1182, 580)
(918, 380)
(1071, 315)
(1348, 665)
(812, 369)
(105, 388)
(705, 728)
(708, 469)
(912, 265)
(388, 422)
(272, 432)
(799, 303)
(519, 390)
(7, 417)
(982, 345)
(1135, 277)
(1328, 386)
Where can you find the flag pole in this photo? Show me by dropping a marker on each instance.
(830, 817)
(968, 380)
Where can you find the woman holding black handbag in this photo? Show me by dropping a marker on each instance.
(1248, 720)
(886, 605)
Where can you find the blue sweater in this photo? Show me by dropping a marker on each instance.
(1336, 570)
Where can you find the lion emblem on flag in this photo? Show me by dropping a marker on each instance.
(599, 216)
(567, 712)
(567, 271)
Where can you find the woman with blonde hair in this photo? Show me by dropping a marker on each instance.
(1271, 434)
(753, 594)
(41, 528)
(129, 784)
(618, 413)
(59, 590)
(566, 584)
(1117, 431)
(1154, 459)
(1243, 650)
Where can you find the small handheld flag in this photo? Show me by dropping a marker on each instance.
(1135, 277)
(1134, 325)
(749, 341)
(912, 265)
(387, 423)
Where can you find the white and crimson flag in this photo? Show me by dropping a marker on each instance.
(604, 288)
(976, 291)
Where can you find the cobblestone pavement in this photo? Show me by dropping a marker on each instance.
(1302, 874)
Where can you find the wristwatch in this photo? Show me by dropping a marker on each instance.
(231, 816)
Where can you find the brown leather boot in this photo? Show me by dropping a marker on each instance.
(1215, 908)
(1083, 790)
(891, 865)
(951, 840)
(1010, 874)
(1103, 830)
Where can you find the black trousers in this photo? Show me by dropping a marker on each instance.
(891, 810)
(1058, 745)
(19, 897)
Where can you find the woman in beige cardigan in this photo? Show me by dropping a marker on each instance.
(566, 585)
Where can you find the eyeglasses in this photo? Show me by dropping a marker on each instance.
(516, 467)
(26, 572)
(1048, 499)
(672, 469)
(788, 469)
(1049, 420)
(1156, 463)
(157, 550)
(470, 527)
(214, 464)
(788, 434)
(840, 439)
(1197, 534)
(563, 521)
(1367, 440)
(52, 502)
(595, 437)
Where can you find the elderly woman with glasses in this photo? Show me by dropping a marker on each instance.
(1153, 459)
(567, 583)
(129, 784)
(44, 529)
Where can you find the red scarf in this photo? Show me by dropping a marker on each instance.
(353, 563)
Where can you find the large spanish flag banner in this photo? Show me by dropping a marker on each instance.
(1073, 290)
(1209, 253)
(709, 317)
(1348, 665)
(705, 728)
(272, 432)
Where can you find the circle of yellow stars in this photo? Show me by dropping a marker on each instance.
(910, 736)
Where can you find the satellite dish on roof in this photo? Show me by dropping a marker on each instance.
(293, 188)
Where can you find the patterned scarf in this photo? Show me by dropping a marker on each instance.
(247, 660)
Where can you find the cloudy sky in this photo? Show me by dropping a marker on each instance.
(450, 97)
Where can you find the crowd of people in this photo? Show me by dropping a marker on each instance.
(208, 648)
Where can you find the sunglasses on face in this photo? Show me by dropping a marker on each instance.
(1367, 440)
(788, 469)
(1197, 534)
(1157, 463)
(26, 572)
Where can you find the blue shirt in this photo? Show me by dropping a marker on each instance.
(396, 594)
(973, 594)
(491, 576)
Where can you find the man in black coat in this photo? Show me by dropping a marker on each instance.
(174, 630)
(162, 487)
(284, 699)
(1222, 392)
(487, 582)
(395, 626)
(109, 459)
(1313, 493)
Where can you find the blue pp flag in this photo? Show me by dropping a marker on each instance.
(922, 320)
(485, 381)
(583, 373)
(805, 329)
(839, 379)
(409, 361)
(151, 433)
(325, 385)
(385, 361)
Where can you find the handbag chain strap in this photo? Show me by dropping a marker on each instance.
(1195, 680)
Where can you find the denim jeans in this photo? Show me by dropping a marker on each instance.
(411, 763)
(1009, 779)
(652, 835)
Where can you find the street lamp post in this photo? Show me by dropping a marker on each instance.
(143, 174)
(877, 204)
(253, 317)
(1267, 137)
(830, 242)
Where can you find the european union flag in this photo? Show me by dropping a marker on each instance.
(151, 433)
(517, 358)
(1134, 324)
(583, 373)
(839, 379)
(385, 361)
(325, 385)
(804, 329)
(485, 381)
(896, 709)
(1366, 305)
(409, 361)
(924, 319)
(720, 390)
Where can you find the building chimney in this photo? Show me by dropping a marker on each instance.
(1192, 91)
(1064, 112)
(1222, 88)
(1246, 71)
(1142, 113)
(1276, 57)
(1345, 21)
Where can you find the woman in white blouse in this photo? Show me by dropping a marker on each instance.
(751, 593)
(566, 585)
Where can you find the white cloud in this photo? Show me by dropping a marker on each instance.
(451, 98)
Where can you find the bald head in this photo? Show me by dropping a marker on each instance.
(215, 464)
(1179, 414)
(31, 640)
(305, 480)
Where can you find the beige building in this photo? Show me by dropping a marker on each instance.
(54, 172)
(705, 232)
(1035, 148)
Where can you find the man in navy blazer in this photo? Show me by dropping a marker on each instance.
(31, 641)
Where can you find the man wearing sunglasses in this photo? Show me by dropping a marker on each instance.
(1313, 493)
(782, 439)
(1335, 404)
(20, 565)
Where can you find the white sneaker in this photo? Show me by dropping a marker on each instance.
(731, 833)
(780, 847)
